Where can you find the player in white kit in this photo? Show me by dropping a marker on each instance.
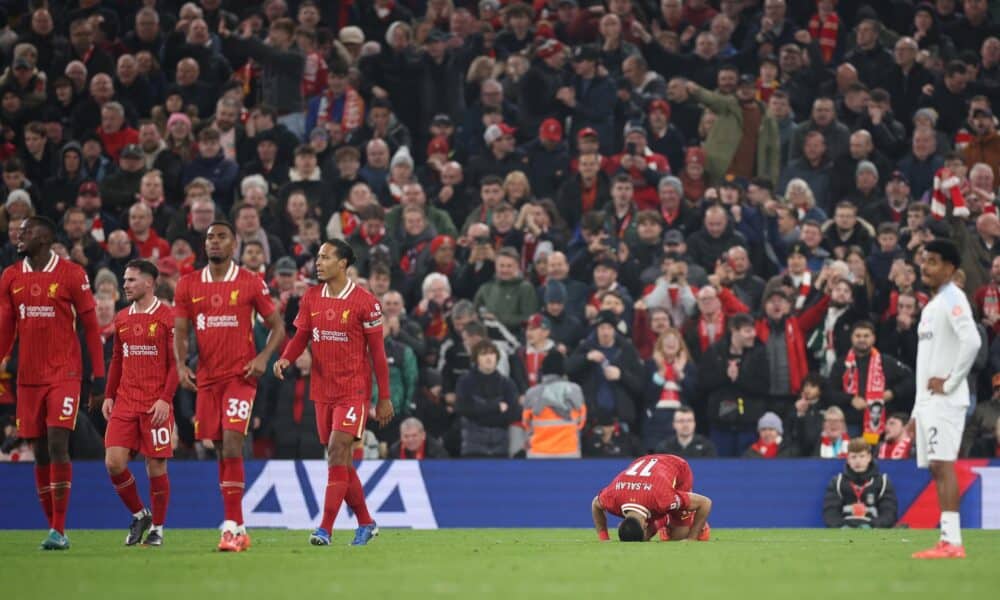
(948, 343)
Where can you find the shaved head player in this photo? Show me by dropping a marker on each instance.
(343, 322)
(220, 300)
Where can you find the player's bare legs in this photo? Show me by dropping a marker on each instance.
(232, 478)
(60, 474)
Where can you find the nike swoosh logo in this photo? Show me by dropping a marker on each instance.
(197, 300)
(65, 418)
(160, 448)
(123, 330)
(231, 420)
(16, 290)
(315, 313)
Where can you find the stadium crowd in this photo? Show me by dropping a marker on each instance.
(596, 228)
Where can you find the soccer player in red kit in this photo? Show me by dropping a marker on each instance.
(653, 493)
(138, 406)
(220, 300)
(41, 298)
(344, 324)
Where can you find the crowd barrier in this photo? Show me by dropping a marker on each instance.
(492, 493)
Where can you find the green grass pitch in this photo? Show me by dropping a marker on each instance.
(515, 563)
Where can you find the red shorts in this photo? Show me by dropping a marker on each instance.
(224, 406)
(348, 416)
(135, 431)
(43, 406)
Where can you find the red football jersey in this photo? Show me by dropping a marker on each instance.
(222, 313)
(655, 485)
(44, 305)
(341, 364)
(144, 343)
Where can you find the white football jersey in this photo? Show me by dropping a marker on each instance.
(948, 344)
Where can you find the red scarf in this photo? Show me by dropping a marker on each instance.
(314, 75)
(804, 288)
(827, 449)
(97, 232)
(349, 221)
(670, 396)
(409, 260)
(874, 392)
(825, 29)
(947, 190)
(719, 321)
(533, 364)
(418, 455)
(764, 449)
(371, 240)
(898, 450)
(353, 114)
(991, 301)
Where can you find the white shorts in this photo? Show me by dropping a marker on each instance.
(939, 433)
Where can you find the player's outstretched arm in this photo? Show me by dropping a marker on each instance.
(600, 519)
(702, 506)
(182, 333)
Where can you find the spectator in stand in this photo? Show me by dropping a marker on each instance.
(814, 168)
(608, 369)
(212, 164)
(415, 444)
(770, 441)
(486, 401)
(508, 298)
(554, 412)
(896, 443)
(823, 119)
(898, 334)
(717, 236)
(142, 235)
(984, 147)
(566, 329)
(119, 189)
(645, 167)
(982, 431)
(686, 442)
(672, 383)
(861, 496)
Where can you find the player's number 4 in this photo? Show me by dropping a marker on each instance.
(642, 468)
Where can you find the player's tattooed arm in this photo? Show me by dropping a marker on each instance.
(600, 519)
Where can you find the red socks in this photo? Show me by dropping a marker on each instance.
(125, 486)
(159, 492)
(336, 489)
(61, 477)
(355, 498)
(231, 482)
(44, 491)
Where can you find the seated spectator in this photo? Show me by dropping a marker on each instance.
(834, 437)
(685, 442)
(770, 443)
(861, 496)
(414, 444)
(554, 412)
(805, 422)
(981, 437)
(672, 383)
(896, 443)
(486, 403)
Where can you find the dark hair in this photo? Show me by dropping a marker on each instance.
(490, 180)
(739, 321)
(685, 409)
(510, 253)
(887, 227)
(13, 164)
(239, 207)
(483, 347)
(592, 221)
(900, 416)
(249, 243)
(475, 328)
(846, 204)
(621, 178)
(880, 95)
(45, 223)
(266, 110)
(631, 530)
(305, 149)
(857, 86)
(145, 267)
(955, 67)
(209, 134)
(36, 128)
(863, 324)
(372, 211)
(814, 379)
(225, 224)
(946, 249)
(344, 250)
(378, 268)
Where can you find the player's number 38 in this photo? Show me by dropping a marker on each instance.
(238, 408)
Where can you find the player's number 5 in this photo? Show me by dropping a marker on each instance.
(238, 408)
(67, 407)
(646, 465)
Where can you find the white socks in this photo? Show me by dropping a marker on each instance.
(951, 528)
(229, 526)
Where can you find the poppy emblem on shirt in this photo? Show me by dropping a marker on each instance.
(36, 290)
(137, 329)
(957, 311)
(234, 297)
(53, 290)
(152, 329)
(216, 300)
(344, 316)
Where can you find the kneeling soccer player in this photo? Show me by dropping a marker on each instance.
(139, 403)
(653, 494)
